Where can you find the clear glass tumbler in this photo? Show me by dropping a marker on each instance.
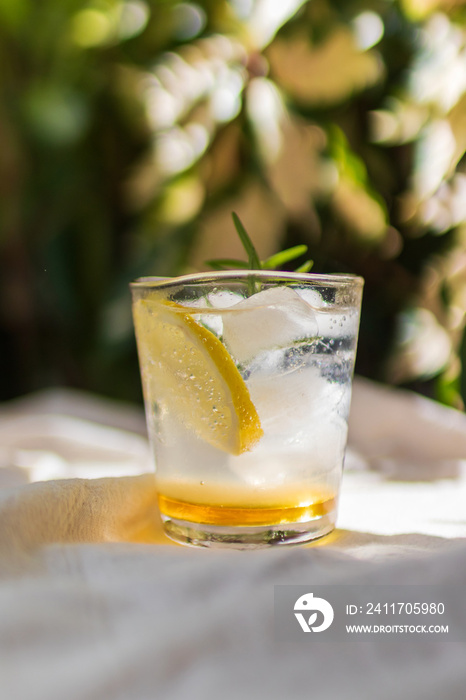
(247, 385)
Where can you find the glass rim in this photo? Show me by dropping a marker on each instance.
(334, 279)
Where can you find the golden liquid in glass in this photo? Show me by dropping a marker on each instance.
(245, 516)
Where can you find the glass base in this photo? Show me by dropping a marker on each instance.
(258, 537)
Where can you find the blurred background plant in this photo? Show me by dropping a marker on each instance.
(130, 129)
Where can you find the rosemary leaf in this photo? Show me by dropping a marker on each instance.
(305, 267)
(253, 258)
(276, 261)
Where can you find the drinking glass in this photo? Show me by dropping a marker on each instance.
(247, 385)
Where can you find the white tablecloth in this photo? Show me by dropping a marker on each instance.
(96, 604)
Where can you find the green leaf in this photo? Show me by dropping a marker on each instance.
(274, 262)
(305, 267)
(253, 258)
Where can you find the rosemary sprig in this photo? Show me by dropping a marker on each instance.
(274, 262)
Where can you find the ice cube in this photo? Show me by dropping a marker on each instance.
(312, 296)
(317, 457)
(333, 321)
(289, 403)
(274, 318)
(223, 299)
(304, 429)
(209, 304)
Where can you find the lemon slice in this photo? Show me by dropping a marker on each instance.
(188, 371)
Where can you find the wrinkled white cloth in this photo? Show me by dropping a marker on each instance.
(96, 604)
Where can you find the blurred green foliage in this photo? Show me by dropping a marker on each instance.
(130, 129)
